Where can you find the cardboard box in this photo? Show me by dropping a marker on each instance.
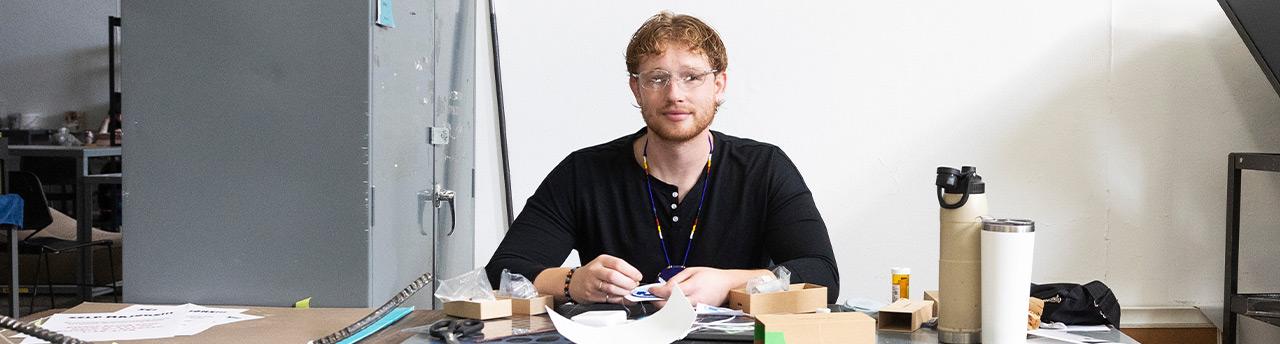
(800, 298)
(1168, 325)
(825, 328)
(479, 310)
(905, 315)
(534, 306)
(932, 295)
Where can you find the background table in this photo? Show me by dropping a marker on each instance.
(83, 201)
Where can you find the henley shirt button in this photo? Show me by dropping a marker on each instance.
(673, 206)
(675, 194)
(675, 219)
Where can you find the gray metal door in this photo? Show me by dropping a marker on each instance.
(421, 146)
(454, 170)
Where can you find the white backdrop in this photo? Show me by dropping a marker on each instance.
(1107, 122)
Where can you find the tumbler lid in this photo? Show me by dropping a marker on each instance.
(1009, 225)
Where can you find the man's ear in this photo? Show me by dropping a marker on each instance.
(635, 88)
(722, 82)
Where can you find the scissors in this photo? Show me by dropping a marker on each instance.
(450, 330)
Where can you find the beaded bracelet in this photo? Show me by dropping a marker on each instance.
(568, 278)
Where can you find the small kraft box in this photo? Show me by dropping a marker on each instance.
(825, 328)
(479, 309)
(533, 306)
(932, 295)
(905, 315)
(799, 298)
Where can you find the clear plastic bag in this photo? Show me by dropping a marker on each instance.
(516, 286)
(780, 280)
(473, 285)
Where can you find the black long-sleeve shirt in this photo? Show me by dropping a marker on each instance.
(758, 213)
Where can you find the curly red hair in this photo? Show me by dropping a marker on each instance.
(667, 29)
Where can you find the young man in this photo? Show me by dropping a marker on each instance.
(674, 200)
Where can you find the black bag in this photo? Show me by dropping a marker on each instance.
(1074, 304)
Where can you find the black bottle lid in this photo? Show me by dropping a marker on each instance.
(954, 181)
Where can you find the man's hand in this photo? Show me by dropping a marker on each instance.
(605, 279)
(707, 285)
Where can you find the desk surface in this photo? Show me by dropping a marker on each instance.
(293, 325)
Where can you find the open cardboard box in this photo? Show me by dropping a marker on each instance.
(799, 298)
(532, 306)
(932, 295)
(832, 328)
(905, 315)
(479, 310)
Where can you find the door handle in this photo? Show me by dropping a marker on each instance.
(438, 197)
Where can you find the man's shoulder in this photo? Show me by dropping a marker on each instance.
(607, 150)
(742, 145)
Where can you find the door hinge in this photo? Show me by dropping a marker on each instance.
(438, 135)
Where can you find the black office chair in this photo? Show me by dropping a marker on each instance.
(36, 216)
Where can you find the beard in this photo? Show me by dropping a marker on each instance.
(682, 131)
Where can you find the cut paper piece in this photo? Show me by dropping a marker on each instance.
(669, 324)
(642, 294)
(386, 320)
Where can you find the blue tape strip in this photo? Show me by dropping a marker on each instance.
(386, 320)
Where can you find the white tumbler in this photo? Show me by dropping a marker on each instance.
(1007, 246)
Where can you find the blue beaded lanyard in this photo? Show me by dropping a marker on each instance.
(672, 270)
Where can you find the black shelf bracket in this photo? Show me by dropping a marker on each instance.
(1262, 307)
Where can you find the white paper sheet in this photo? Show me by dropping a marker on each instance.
(668, 324)
(198, 318)
(115, 326)
(1073, 328)
(1069, 337)
(1088, 328)
(143, 322)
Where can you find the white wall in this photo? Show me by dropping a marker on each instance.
(53, 59)
(1107, 122)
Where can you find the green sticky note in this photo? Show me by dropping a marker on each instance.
(761, 336)
(304, 303)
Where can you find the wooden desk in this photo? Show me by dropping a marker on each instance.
(83, 201)
(292, 325)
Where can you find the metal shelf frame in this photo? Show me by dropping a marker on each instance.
(1261, 307)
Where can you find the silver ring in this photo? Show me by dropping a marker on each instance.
(606, 298)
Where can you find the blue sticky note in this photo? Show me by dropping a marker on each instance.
(384, 14)
(386, 320)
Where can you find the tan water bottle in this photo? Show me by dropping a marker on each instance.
(963, 199)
